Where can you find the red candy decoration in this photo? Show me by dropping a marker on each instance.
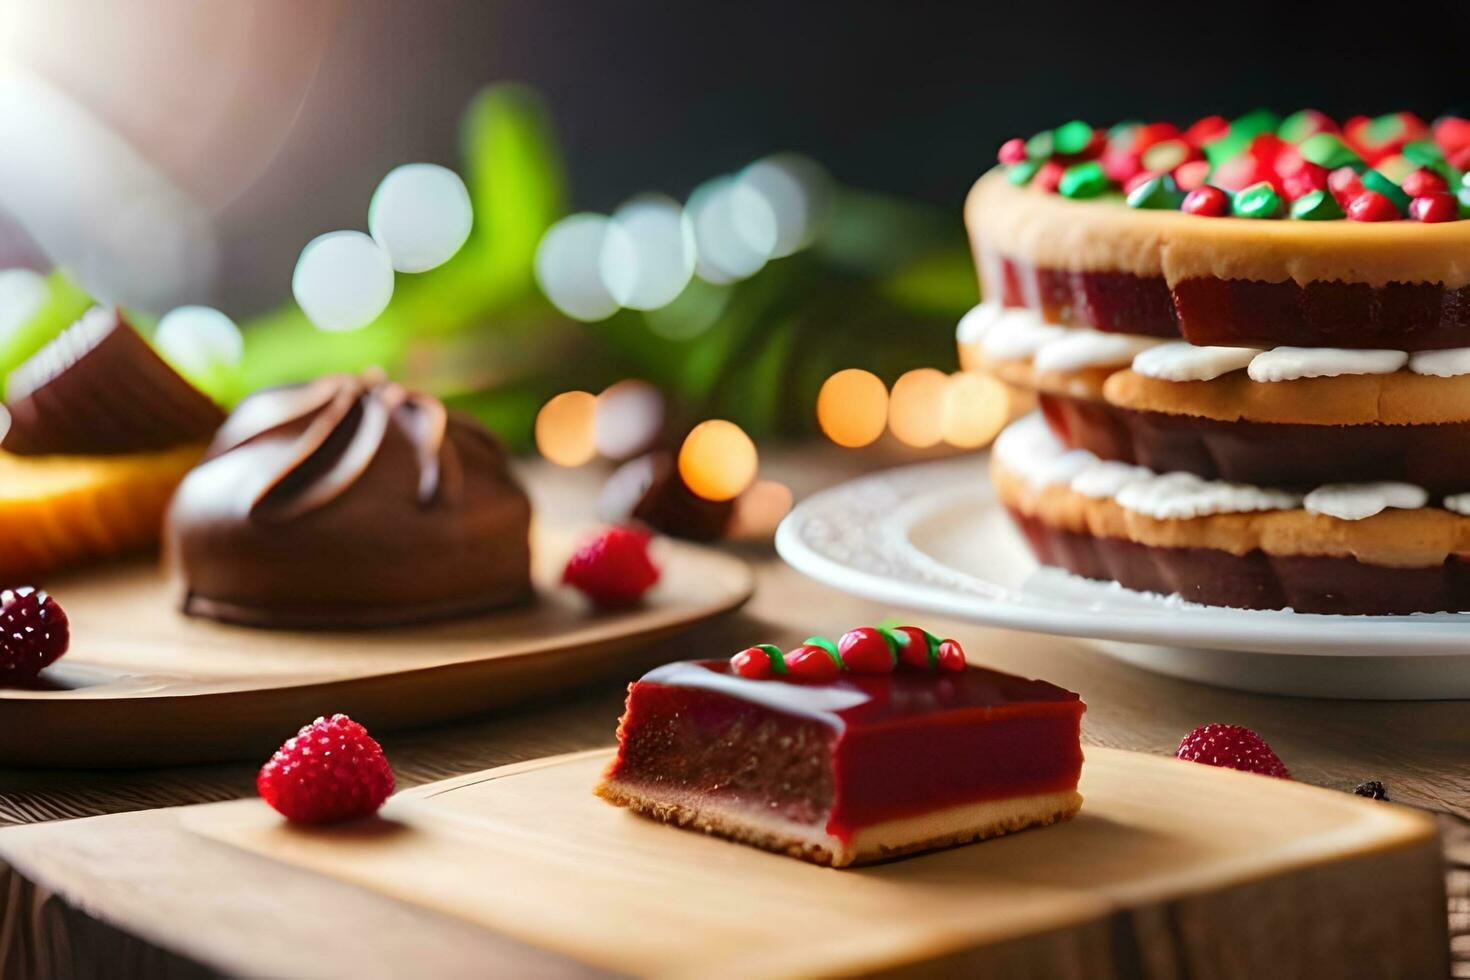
(1433, 208)
(1121, 166)
(1305, 179)
(865, 650)
(1207, 130)
(754, 663)
(1345, 185)
(1192, 175)
(1424, 181)
(1372, 206)
(812, 663)
(1207, 201)
(613, 569)
(951, 656)
(1049, 177)
(1012, 151)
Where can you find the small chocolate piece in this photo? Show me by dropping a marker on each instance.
(98, 389)
(1373, 789)
(649, 490)
(349, 502)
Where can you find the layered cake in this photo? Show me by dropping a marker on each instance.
(349, 502)
(100, 432)
(1250, 342)
(883, 744)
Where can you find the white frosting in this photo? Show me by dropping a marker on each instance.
(1181, 361)
(1029, 449)
(1292, 363)
(975, 323)
(1018, 333)
(1355, 501)
(1451, 363)
(1090, 348)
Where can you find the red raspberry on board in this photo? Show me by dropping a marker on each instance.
(33, 634)
(331, 770)
(613, 569)
(1232, 747)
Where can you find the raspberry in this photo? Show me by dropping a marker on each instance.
(613, 569)
(1232, 747)
(1372, 789)
(330, 770)
(33, 634)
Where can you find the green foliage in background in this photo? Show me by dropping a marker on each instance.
(881, 289)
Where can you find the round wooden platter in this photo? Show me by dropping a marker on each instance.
(144, 685)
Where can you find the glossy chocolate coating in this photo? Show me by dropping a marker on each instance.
(99, 389)
(1272, 454)
(1256, 580)
(349, 502)
(1240, 312)
(650, 491)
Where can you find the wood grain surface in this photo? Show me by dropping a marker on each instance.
(150, 894)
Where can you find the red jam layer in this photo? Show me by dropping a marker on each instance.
(1307, 584)
(1436, 457)
(1240, 312)
(859, 750)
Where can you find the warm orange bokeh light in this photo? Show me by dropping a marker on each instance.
(852, 407)
(759, 509)
(916, 407)
(564, 428)
(718, 460)
(976, 408)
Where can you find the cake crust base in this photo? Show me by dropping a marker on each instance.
(948, 827)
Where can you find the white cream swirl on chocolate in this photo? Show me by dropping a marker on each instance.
(1029, 449)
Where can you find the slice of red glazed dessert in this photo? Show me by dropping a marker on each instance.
(882, 745)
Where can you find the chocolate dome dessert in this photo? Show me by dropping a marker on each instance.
(349, 502)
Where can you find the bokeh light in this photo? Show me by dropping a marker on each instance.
(628, 419)
(723, 256)
(343, 280)
(199, 339)
(23, 292)
(565, 428)
(420, 215)
(976, 407)
(916, 407)
(852, 407)
(718, 460)
(796, 193)
(568, 266)
(759, 509)
(651, 262)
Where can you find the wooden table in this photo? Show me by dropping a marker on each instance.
(132, 894)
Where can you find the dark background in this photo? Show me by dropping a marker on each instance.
(907, 97)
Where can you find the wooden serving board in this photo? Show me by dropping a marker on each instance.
(1171, 869)
(145, 685)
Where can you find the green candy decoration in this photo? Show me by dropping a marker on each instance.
(1326, 150)
(1298, 126)
(1071, 138)
(1159, 193)
(1316, 206)
(1423, 153)
(1084, 180)
(1254, 123)
(1257, 201)
(1040, 146)
(1021, 173)
(1375, 181)
(778, 659)
(1119, 132)
(828, 645)
(1384, 129)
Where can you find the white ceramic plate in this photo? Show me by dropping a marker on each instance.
(933, 537)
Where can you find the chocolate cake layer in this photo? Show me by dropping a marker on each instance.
(1256, 580)
(1436, 457)
(1240, 312)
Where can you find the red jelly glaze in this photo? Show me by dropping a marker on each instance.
(912, 743)
(812, 663)
(752, 662)
(865, 650)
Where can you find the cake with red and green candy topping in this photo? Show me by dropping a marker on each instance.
(882, 744)
(1250, 343)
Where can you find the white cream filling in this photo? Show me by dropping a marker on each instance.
(1293, 363)
(1089, 348)
(1450, 363)
(1028, 449)
(1017, 333)
(1181, 361)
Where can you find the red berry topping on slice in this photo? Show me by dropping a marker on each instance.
(812, 662)
(1232, 747)
(759, 662)
(1207, 201)
(1421, 182)
(613, 569)
(1372, 206)
(1434, 207)
(1012, 150)
(950, 656)
(330, 770)
(866, 650)
(33, 634)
